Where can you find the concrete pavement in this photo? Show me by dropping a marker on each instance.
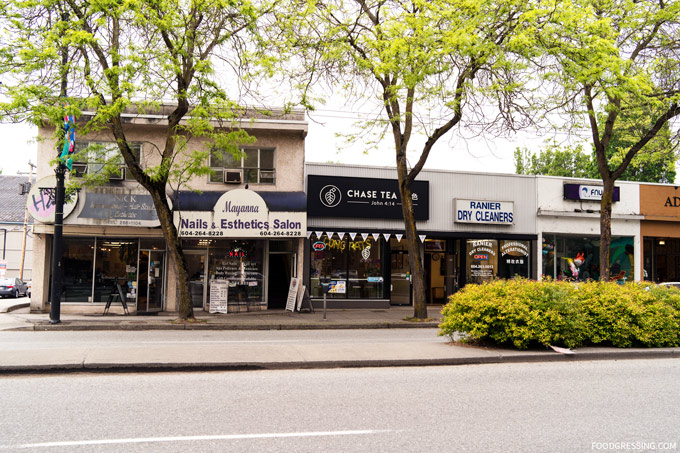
(388, 340)
(20, 319)
(8, 305)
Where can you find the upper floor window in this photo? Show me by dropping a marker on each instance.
(98, 157)
(256, 166)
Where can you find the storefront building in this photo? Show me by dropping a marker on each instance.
(237, 226)
(660, 229)
(16, 229)
(568, 222)
(474, 228)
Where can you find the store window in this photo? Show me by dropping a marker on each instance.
(241, 262)
(482, 260)
(256, 165)
(354, 267)
(103, 157)
(78, 256)
(514, 259)
(662, 259)
(577, 258)
(435, 245)
(93, 267)
(548, 256)
(115, 264)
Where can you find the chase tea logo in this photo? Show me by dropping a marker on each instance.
(330, 196)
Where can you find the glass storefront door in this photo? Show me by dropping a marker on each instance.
(440, 270)
(281, 270)
(401, 278)
(151, 281)
(435, 283)
(196, 263)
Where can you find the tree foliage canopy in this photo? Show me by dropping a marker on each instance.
(606, 61)
(427, 63)
(128, 56)
(655, 162)
(116, 58)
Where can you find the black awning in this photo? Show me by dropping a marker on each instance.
(205, 201)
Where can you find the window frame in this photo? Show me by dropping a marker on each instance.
(125, 175)
(218, 176)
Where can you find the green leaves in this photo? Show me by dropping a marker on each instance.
(525, 313)
(124, 57)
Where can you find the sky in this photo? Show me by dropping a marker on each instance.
(490, 155)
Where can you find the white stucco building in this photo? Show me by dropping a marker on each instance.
(236, 225)
(568, 224)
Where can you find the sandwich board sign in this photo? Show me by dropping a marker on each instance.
(292, 294)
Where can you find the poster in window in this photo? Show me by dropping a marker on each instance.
(337, 287)
(219, 295)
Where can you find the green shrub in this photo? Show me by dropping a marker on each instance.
(523, 313)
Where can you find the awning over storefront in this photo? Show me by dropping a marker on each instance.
(276, 201)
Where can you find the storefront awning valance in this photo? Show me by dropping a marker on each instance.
(276, 201)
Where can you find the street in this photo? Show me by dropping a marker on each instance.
(555, 407)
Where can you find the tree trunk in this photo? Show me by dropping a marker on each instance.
(413, 244)
(185, 308)
(606, 227)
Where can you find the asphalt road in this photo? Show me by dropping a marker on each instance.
(543, 407)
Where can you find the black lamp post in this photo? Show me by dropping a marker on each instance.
(58, 240)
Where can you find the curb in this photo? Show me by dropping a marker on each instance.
(331, 364)
(75, 326)
(15, 307)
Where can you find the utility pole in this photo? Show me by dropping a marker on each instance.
(58, 239)
(23, 243)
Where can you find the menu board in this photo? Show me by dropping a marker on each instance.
(219, 291)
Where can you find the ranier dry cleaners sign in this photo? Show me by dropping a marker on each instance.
(483, 211)
(241, 213)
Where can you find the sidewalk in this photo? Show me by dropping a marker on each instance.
(8, 305)
(394, 317)
(284, 340)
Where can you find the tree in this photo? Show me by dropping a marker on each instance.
(655, 162)
(555, 161)
(608, 60)
(132, 55)
(426, 62)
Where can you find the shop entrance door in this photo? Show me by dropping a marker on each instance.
(435, 277)
(400, 293)
(281, 269)
(196, 264)
(151, 281)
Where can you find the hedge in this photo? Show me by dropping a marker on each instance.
(526, 313)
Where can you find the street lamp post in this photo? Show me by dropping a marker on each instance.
(58, 240)
(57, 246)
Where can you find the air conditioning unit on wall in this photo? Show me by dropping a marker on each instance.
(233, 176)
